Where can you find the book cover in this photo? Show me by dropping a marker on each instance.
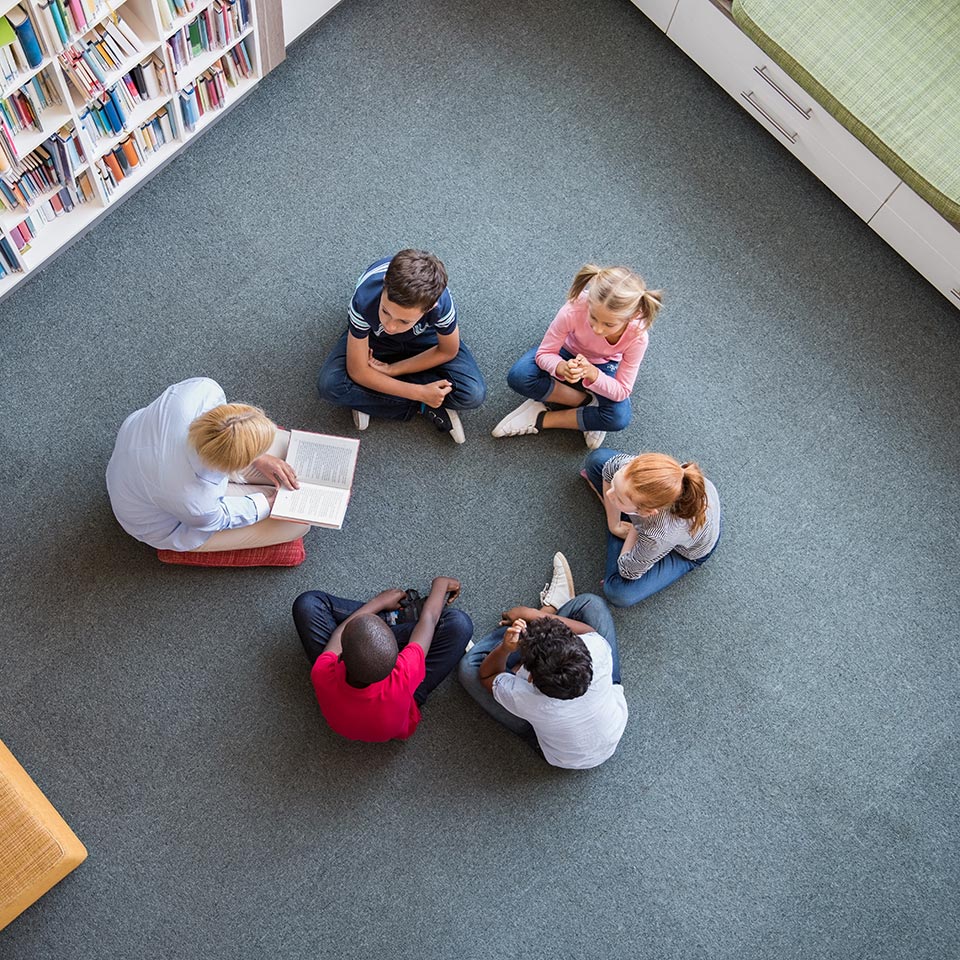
(112, 114)
(130, 152)
(77, 12)
(114, 166)
(23, 26)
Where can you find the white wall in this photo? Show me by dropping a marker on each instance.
(300, 14)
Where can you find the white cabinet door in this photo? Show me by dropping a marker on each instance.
(844, 164)
(918, 214)
(659, 11)
(917, 249)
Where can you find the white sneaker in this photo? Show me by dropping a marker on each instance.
(521, 421)
(446, 421)
(594, 438)
(560, 589)
(361, 420)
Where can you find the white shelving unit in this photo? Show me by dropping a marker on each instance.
(144, 18)
(707, 33)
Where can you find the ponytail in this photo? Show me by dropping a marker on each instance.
(661, 483)
(621, 291)
(692, 503)
(584, 275)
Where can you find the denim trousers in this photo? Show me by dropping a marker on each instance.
(618, 590)
(585, 607)
(335, 386)
(527, 379)
(317, 614)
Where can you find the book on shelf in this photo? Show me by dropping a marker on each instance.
(8, 259)
(13, 60)
(173, 10)
(119, 162)
(48, 167)
(325, 466)
(64, 19)
(89, 61)
(21, 109)
(208, 92)
(214, 28)
(20, 20)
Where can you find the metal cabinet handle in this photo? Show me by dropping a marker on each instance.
(762, 72)
(955, 292)
(792, 137)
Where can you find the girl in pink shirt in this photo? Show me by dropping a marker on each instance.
(582, 374)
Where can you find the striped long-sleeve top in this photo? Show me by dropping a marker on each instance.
(663, 532)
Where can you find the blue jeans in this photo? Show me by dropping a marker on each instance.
(317, 614)
(618, 590)
(527, 379)
(335, 386)
(585, 607)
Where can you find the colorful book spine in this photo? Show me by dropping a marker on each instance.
(23, 25)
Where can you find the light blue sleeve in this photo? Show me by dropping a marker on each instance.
(225, 513)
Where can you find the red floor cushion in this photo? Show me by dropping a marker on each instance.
(289, 554)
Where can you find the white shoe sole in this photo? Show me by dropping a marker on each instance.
(361, 420)
(521, 421)
(456, 427)
(559, 560)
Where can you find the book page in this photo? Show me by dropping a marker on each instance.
(319, 458)
(322, 505)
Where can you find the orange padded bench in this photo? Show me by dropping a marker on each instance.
(37, 848)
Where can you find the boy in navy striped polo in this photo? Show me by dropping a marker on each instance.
(402, 355)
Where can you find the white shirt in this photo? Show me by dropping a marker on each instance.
(160, 490)
(575, 734)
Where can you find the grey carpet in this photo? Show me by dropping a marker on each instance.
(787, 785)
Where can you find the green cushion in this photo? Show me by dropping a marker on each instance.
(888, 71)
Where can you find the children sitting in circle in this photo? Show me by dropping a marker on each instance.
(582, 374)
(402, 354)
(663, 520)
(191, 472)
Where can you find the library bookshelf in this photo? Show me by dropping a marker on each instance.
(111, 92)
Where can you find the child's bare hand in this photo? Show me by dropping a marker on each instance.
(567, 370)
(586, 369)
(451, 585)
(376, 364)
(390, 599)
(433, 394)
(518, 613)
(511, 639)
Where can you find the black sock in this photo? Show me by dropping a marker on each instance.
(540, 417)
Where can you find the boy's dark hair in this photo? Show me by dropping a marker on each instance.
(415, 278)
(556, 658)
(369, 650)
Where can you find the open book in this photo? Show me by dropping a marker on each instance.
(324, 466)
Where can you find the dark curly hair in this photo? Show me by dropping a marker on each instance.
(556, 658)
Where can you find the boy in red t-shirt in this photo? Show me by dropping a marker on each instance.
(371, 678)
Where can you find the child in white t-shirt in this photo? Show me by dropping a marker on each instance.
(553, 677)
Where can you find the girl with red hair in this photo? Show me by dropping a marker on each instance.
(663, 520)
